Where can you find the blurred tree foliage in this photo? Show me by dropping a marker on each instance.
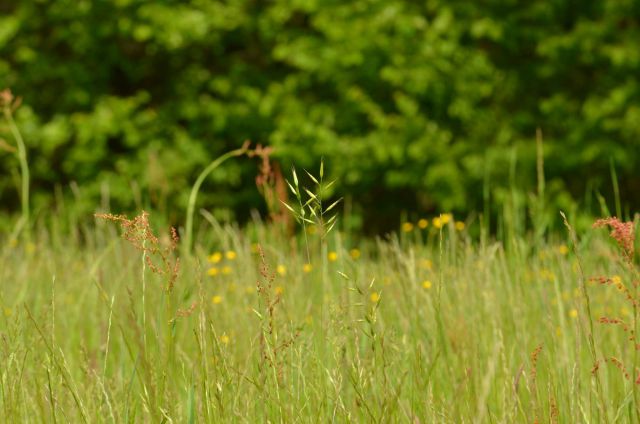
(415, 105)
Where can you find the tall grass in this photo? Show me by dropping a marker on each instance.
(433, 326)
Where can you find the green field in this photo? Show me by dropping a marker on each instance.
(429, 325)
(450, 257)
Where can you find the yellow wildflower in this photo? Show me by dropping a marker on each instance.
(307, 268)
(226, 270)
(426, 264)
(437, 222)
(217, 299)
(215, 257)
(459, 225)
(375, 297)
(547, 275)
(563, 249)
(426, 284)
(445, 218)
(231, 255)
(281, 269)
(423, 223)
(224, 339)
(332, 256)
(617, 280)
(573, 313)
(213, 271)
(407, 227)
(279, 289)
(354, 253)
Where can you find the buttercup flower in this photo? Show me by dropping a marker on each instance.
(407, 227)
(215, 257)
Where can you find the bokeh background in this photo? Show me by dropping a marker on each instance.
(417, 107)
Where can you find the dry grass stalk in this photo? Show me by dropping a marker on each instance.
(138, 232)
(271, 344)
(272, 186)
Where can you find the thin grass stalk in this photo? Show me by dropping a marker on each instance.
(53, 311)
(196, 188)
(52, 403)
(635, 271)
(24, 173)
(540, 221)
(63, 370)
(144, 291)
(616, 188)
(106, 353)
(587, 304)
(439, 297)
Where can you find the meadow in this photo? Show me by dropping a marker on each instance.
(462, 265)
(437, 322)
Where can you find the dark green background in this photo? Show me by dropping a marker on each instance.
(415, 105)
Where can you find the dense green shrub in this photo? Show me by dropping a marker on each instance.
(414, 105)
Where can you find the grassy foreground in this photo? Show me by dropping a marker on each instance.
(430, 326)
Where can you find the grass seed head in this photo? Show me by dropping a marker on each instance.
(622, 232)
